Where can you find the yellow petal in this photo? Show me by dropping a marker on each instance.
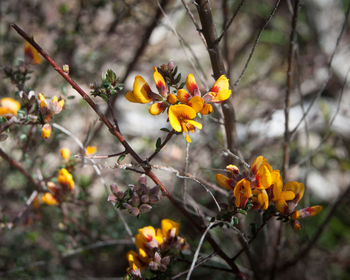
(188, 139)
(158, 79)
(168, 225)
(224, 181)
(46, 131)
(90, 150)
(9, 106)
(297, 188)
(242, 192)
(207, 109)
(157, 108)
(191, 84)
(287, 195)
(196, 102)
(65, 153)
(172, 99)
(141, 91)
(264, 177)
(65, 179)
(49, 199)
(145, 234)
(31, 54)
(221, 84)
(195, 124)
(179, 113)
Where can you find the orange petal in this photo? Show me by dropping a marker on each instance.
(191, 84)
(183, 96)
(46, 131)
(195, 124)
(31, 54)
(9, 106)
(224, 181)
(172, 99)
(297, 188)
(160, 82)
(49, 199)
(207, 109)
(179, 113)
(157, 108)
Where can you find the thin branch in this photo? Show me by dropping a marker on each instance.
(329, 65)
(188, 11)
(20, 168)
(195, 257)
(228, 24)
(256, 43)
(166, 140)
(216, 60)
(292, 47)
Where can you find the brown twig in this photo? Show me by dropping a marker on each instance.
(166, 140)
(128, 148)
(256, 43)
(209, 32)
(20, 168)
(227, 24)
(289, 80)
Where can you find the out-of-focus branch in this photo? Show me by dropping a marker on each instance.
(20, 168)
(289, 80)
(209, 32)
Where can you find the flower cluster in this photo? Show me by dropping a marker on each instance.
(136, 199)
(183, 105)
(49, 108)
(153, 248)
(56, 194)
(262, 186)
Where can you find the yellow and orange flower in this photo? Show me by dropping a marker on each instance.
(242, 193)
(9, 106)
(65, 153)
(46, 131)
(65, 179)
(141, 92)
(49, 199)
(181, 119)
(220, 90)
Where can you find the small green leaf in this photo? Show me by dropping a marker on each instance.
(121, 158)
(235, 220)
(241, 211)
(158, 143)
(71, 97)
(165, 129)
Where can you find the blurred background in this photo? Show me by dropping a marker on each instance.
(85, 238)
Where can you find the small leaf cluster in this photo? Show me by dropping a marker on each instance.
(109, 87)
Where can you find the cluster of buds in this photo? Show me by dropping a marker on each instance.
(56, 193)
(183, 105)
(154, 246)
(49, 108)
(261, 186)
(136, 199)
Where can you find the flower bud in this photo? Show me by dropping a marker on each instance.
(120, 195)
(66, 68)
(112, 198)
(143, 179)
(145, 198)
(165, 260)
(134, 211)
(145, 208)
(46, 131)
(135, 200)
(171, 65)
(153, 266)
(127, 206)
(157, 258)
(65, 153)
(114, 188)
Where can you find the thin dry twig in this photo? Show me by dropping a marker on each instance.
(228, 24)
(235, 84)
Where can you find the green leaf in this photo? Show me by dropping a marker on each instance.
(121, 158)
(241, 211)
(71, 97)
(111, 76)
(158, 143)
(165, 129)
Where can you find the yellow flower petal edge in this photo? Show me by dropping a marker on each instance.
(178, 114)
(167, 225)
(9, 105)
(197, 103)
(141, 91)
